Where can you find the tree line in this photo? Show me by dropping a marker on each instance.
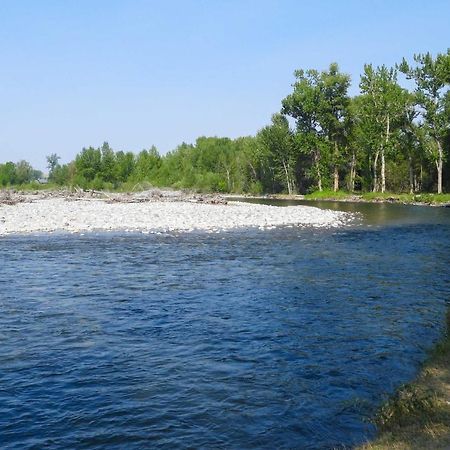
(387, 138)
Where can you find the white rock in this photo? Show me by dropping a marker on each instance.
(56, 214)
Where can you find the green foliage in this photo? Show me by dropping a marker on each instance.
(8, 174)
(432, 79)
(24, 173)
(278, 146)
(320, 107)
(52, 164)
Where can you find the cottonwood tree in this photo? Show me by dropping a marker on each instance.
(320, 107)
(432, 79)
(277, 139)
(7, 173)
(382, 110)
(52, 163)
(24, 172)
(124, 167)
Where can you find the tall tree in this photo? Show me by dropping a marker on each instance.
(432, 78)
(108, 162)
(277, 138)
(88, 163)
(7, 173)
(52, 164)
(320, 106)
(382, 109)
(24, 172)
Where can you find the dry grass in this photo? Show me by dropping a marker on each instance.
(418, 415)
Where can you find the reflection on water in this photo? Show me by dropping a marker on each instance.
(287, 338)
(373, 213)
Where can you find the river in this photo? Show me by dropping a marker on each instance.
(282, 338)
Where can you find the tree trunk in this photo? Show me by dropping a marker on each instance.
(439, 164)
(352, 172)
(421, 177)
(288, 181)
(383, 162)
(336, 169)
(411, 175)
(253, 171)
(319, 175)
(375, 171)
(228, 180)
(291, 179)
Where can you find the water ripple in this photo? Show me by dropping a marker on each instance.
(278, 339)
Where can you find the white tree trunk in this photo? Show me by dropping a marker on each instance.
(375, 171)
(439, 164)
(383, 161)
(411, 175)
(319, 175)
(288, 180)
(352, 172)
(336, 169)
(228, 180)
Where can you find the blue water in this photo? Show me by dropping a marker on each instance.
(284, 338)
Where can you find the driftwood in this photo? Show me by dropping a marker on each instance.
(10, 198)
(211, 200)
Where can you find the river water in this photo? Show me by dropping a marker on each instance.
(283, 338)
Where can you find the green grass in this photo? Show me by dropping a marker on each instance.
(328, 195)
(380, 197)
(432, 198)
(33, 186)
(407, 198)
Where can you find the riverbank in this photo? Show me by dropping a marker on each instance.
(423, 199)
(149, 211)
(440, 200)
(418, 415)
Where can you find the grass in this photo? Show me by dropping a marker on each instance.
(407, 198)
(418, 415)
(328, 195)
(33, 186)
(380, 197)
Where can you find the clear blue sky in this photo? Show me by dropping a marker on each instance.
(140, 72)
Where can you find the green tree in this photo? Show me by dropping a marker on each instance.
(147, 164)
(277, 139)
(320, 106)
(125, 165)
(7, 174)
(61, 174)
(24, 173)
(52, 164)
(383, 106)
(108, 162)
(432, 79)
(88, 164)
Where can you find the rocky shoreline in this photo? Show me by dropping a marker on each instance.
(148, 211)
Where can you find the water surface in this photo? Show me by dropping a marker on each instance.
(284, 338)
